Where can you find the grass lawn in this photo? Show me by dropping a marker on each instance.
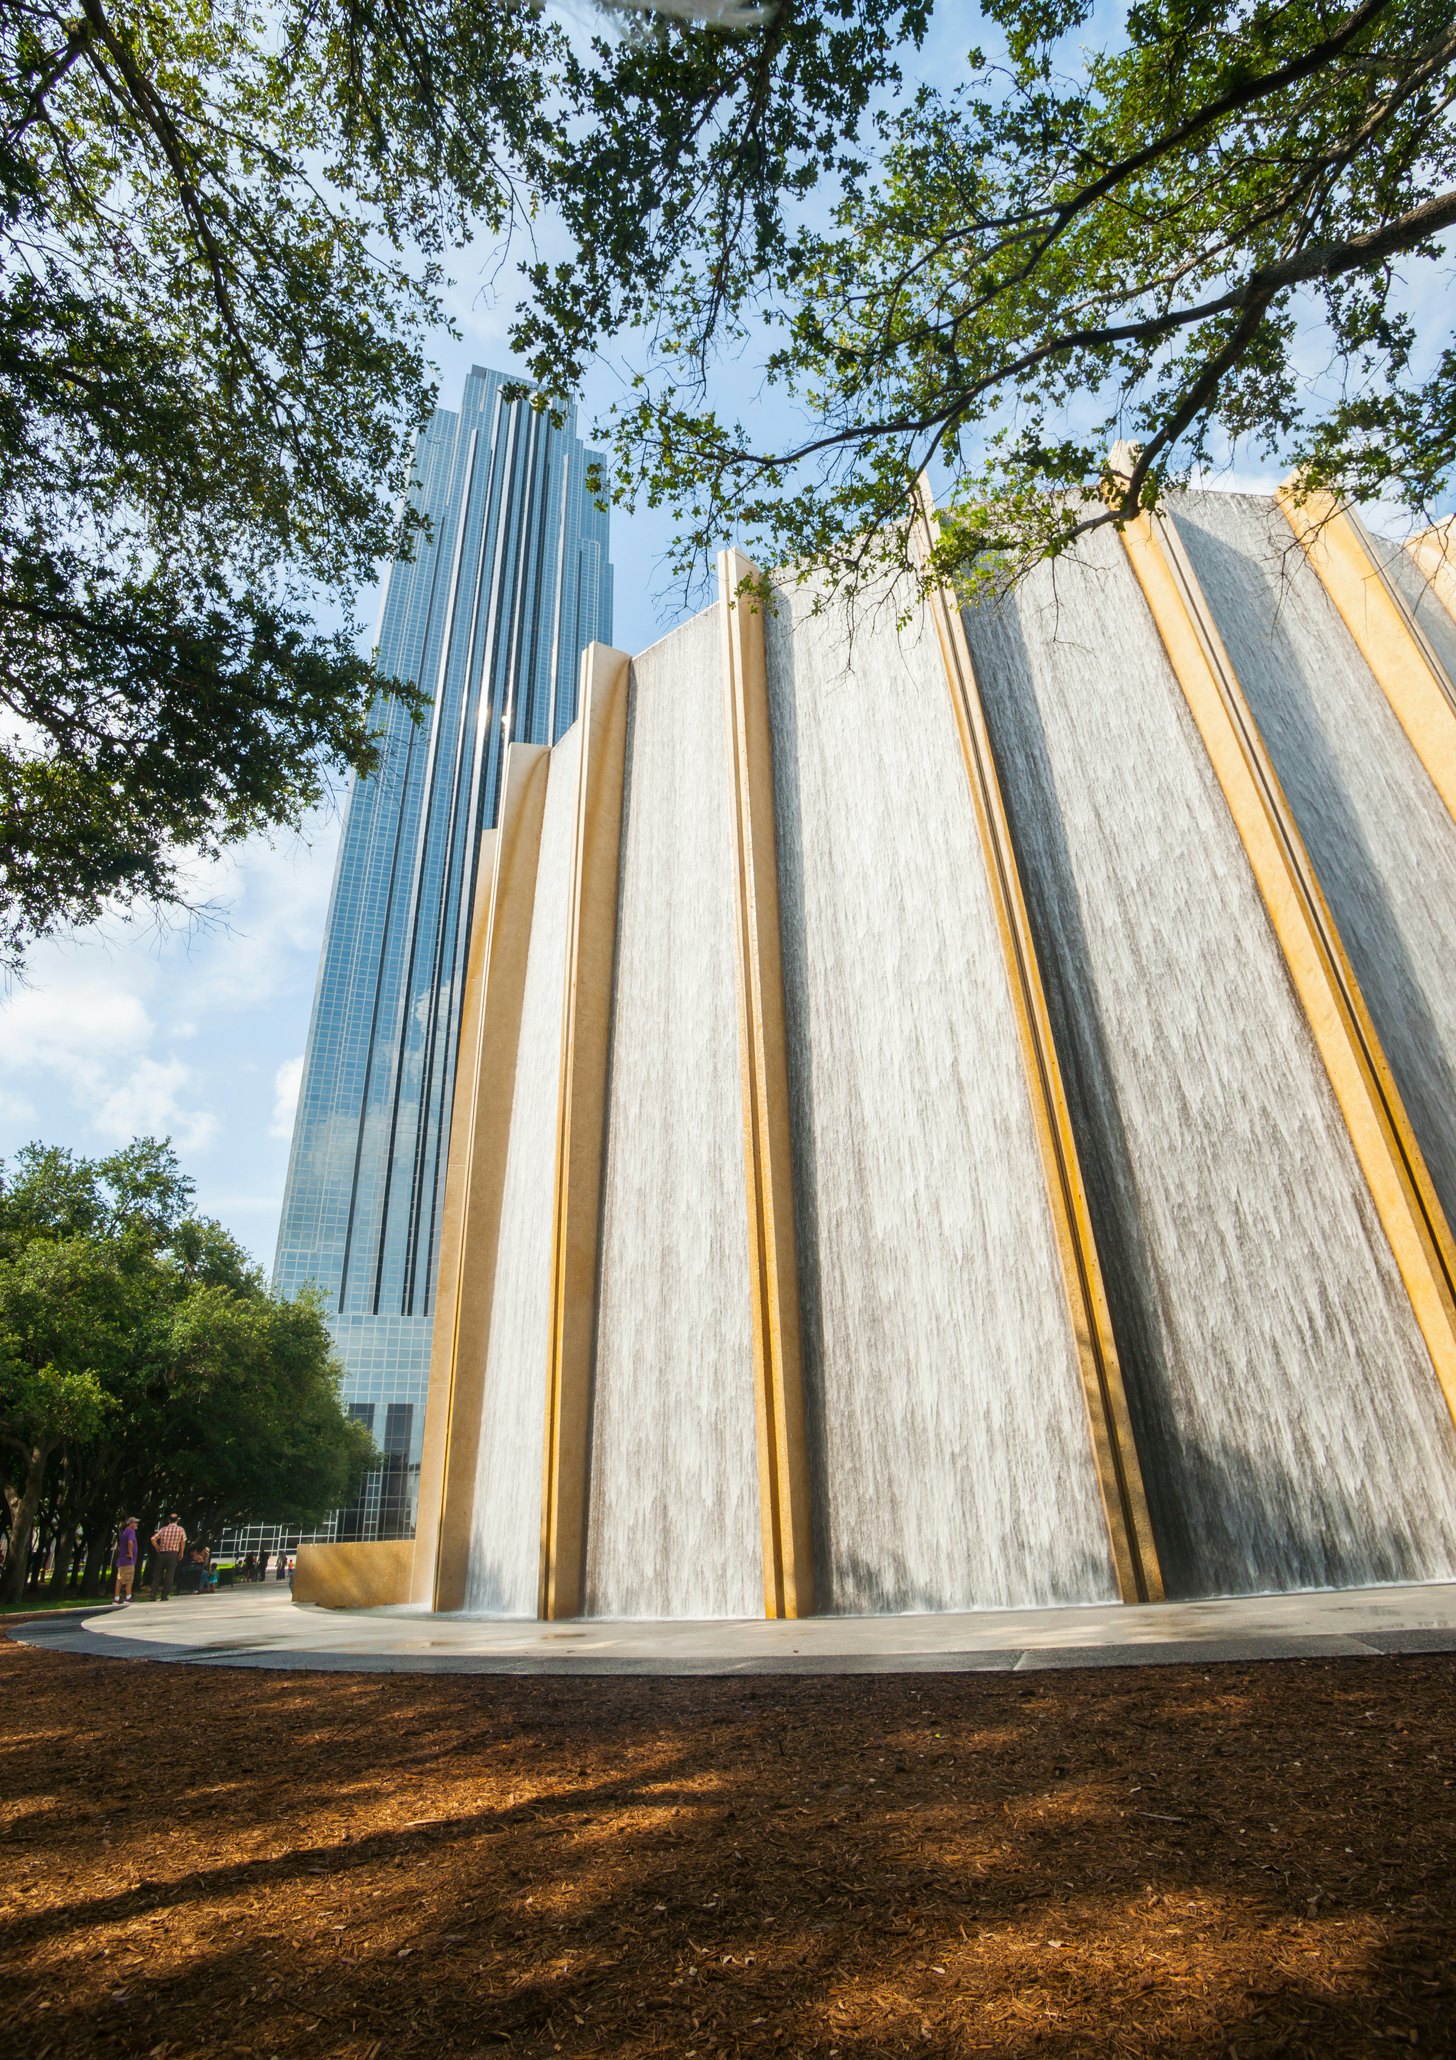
(41, 1605)
(1231, 1860)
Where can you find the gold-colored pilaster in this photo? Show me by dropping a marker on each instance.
(783, 1462)
(490, 1023)
(581, 1126)
(1319, 970)
(1119, 1472)
(1389, 638)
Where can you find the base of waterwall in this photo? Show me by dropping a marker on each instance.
(368, 1575)
(262, 1627)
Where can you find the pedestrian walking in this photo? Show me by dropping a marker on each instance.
(126, 1562)
(168, 1545)
(263, 1559)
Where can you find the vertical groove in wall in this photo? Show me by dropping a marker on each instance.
(1434, 551)
(505, 1547)
(475, 1177)
(581, 1127)
(784, 1490)
(1119, 1472)
(439, 1397)
(1389, 639)
(1322, 977)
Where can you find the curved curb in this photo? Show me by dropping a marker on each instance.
(1366, 1625)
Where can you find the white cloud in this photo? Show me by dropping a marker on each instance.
(147, 1102)
(80, 1028)
(72, 1019)
(182, 1028)
(262, 904)
(286, 1082)
(15, 1108)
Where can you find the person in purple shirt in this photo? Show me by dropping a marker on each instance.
(126, 1562)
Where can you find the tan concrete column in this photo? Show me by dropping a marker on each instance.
(1319, 970)
(783, 1461)
(485, 1074)
(1389, 638)
(591, 947)
(1114, 1450)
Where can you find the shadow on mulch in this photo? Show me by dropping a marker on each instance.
(206, 1861)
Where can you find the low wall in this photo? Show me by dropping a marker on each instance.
(353, 1576)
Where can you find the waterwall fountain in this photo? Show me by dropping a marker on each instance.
(959, 1113)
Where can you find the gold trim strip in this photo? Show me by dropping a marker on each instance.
(1322, 975)
(783, 1459)
(490, 1027)
(581, 1126)
(1387, 635)
(1114, 1449)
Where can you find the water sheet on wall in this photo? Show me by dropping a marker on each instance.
(505, 1548)
(1291, 1429)
(674, 1521)
(949, 1440)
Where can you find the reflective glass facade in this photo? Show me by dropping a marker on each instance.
(490, 617)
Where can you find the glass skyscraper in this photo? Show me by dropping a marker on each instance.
(489, 617)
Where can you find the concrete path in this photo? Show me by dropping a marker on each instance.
(260, 1627)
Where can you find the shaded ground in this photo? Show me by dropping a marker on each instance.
(201, 1861)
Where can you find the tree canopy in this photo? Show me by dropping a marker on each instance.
(1201, 226)
(1205, 229)
(220, 233)
(142, 1360)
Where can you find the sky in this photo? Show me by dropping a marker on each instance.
(196, 1030)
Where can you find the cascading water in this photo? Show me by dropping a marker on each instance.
(1379, 834)
(674, 1519)
(949, 1436)
(1290, 1427)
(505, 1545)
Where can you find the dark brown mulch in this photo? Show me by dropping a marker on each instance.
(1236, 1860)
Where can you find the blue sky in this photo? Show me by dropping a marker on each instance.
(196, 1030)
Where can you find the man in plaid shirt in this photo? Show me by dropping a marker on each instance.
(168, 1545)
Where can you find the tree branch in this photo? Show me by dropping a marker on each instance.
(34, 107)
(152, 109)
(1317, 261)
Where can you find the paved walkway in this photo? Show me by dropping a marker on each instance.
(259, 1627)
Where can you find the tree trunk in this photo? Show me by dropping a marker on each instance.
(99, 1527)
(66, 1498)
(22, 1523)
(98, 1559)
(65, 1555)
(42, 1543)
